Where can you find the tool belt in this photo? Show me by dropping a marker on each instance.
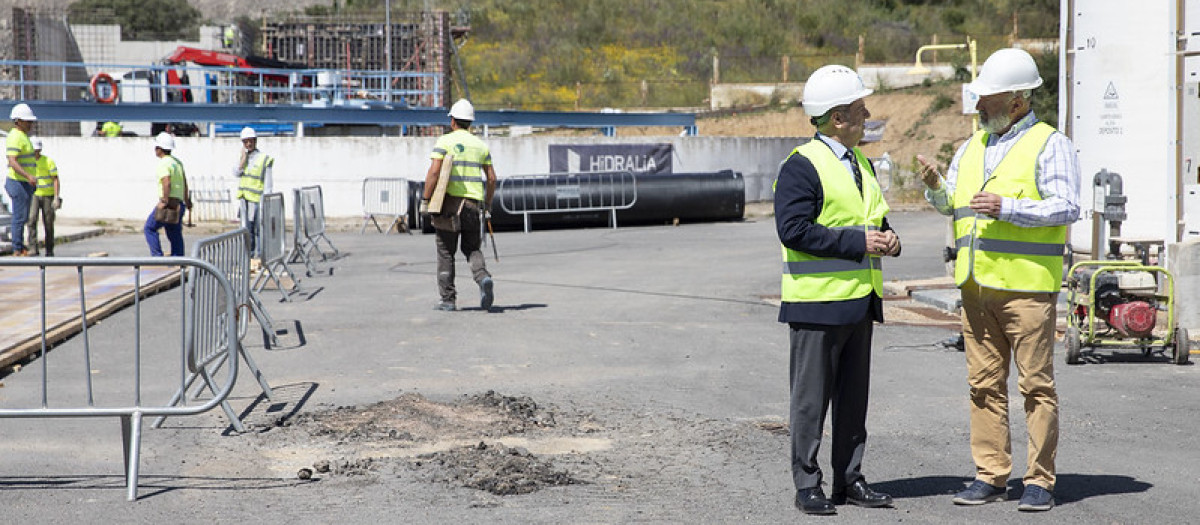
(450, 219)
(168, 213)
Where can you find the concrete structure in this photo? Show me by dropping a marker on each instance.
(113, 178)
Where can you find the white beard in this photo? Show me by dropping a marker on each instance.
(996, 123)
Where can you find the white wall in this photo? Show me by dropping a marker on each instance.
(114, 177)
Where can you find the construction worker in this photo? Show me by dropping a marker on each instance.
(22, 173)
(254, 179)
(110, 129)
(467, 203)
(831, 220)
(174, 199)
(1012, 189)
(45, 199)
(229, 36)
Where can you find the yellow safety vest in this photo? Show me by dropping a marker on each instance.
(251, 183)
(1000, 254)
(809, 278)
(47, 172)
(470, 156)
(111, 129)
(17, 144)
(169, 166)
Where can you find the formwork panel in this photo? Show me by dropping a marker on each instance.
(420, 42)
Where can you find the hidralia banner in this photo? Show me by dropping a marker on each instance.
(638, 158)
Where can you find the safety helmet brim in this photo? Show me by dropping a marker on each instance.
(982, 89)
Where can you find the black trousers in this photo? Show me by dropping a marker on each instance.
(830, 365)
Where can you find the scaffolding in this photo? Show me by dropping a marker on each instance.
(421, 42)
(42, 34)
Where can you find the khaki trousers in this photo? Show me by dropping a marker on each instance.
(1000, 327)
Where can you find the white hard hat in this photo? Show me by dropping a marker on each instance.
(36, 141)
(165, 141)
(462, 110)
(1008, 69)
(832, 86)
(22, 112)
(248, 133)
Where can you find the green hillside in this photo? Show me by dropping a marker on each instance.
(589, 54)
(553, 54)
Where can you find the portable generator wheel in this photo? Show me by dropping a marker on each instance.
(1071, 338)
(1183, 347)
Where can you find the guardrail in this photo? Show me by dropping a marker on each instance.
(273, 243)
(309, 227)
(207, 333)
(386, 198)
(568, 192)
(212, 198)
(228, 252)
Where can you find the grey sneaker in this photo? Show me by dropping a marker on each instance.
(979, 493)
(1036, 499)
(445, 307)
(485, 293)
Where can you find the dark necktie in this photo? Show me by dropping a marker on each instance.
(854, 168)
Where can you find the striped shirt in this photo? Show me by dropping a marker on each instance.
(1057, 176)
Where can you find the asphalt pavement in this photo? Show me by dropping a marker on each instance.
(665, 336)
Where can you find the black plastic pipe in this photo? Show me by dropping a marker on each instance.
(661, 199)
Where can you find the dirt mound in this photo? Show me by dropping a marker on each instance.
(494, 468)
(414, 419)
(394, 436)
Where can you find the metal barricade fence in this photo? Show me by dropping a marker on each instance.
(387, 199)
(212, 199)
(229, 252)
(207, 333)
(568, 193)
(273, 242)
(309, 216)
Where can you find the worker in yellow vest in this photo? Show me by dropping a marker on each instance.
(46, 199)
(1011, 189)
(22, 173)
(254, 173)
(110, 129)
(832, 222)
(467, 203)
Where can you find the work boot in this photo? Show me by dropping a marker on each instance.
(485, 293)
(445, 306)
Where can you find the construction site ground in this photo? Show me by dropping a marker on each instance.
(632, 375)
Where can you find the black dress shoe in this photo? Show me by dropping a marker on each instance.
(813, 501)
(859, 493)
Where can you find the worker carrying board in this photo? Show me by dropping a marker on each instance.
(458, 194)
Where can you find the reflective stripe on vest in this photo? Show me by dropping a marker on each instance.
(470, 156)
(251, 183)
(809, 278)
(18, 146)
(999, 254)
(1013, 247)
